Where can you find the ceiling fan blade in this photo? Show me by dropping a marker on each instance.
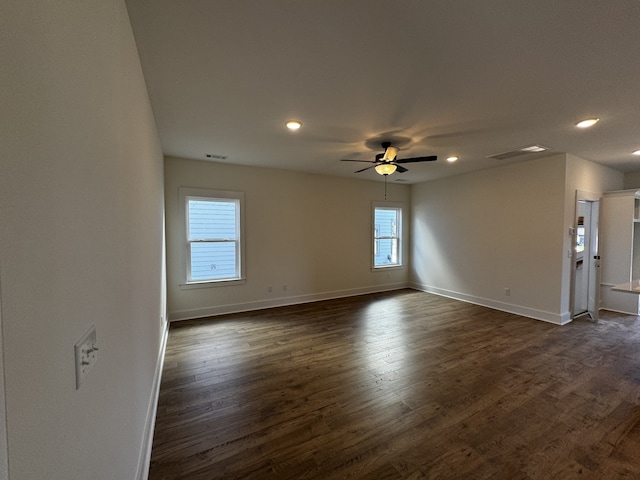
(401, 169)
(365, 168)
(430, 158)
(350, 160)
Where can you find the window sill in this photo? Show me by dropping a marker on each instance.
(213, 283)
(387, 267)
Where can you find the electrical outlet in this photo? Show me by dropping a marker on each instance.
(284, 287)
(507, 292)
(86, 354)
(269, 289)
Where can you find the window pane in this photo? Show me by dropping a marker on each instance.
(386, 223)
(387, 252)
(213, 261)
(386, 244)
(213, 236)
(212, 219)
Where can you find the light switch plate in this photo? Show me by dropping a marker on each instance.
(86, 355)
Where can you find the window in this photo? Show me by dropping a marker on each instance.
(213, 236)
(387, 236)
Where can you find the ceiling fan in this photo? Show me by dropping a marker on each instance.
(386, 163)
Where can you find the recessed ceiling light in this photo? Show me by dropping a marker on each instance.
(452, 159)
(293, 125)
(637, 152)
(589, 122)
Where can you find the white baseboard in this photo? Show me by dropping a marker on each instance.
(555, 318)
(144, 460)
(280, 302)
(624, 312)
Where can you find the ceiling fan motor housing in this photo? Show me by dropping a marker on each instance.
(389, 158)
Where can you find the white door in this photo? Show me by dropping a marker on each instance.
(586, 272)
(594, 263)
(582, 255)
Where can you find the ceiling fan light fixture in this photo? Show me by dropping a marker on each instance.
(385, 168)
(452, 159)
(390, 154)
(637, 153)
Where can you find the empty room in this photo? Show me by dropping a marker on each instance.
(323, 240)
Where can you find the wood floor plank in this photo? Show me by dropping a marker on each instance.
(398, 385)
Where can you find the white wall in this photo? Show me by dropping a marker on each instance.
(81, 211)
(590, 177)
(310, 232)
(476, 234)
(631, 180)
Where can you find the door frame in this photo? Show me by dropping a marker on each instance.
(585, 196)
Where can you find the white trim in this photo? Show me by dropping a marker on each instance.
(212, 283)
(623, 193)
(280, 302)
(550, 317)
(399, 208)
(4, 439)
(144, 461)
(624, 312)
(184, 193)
(387, 267)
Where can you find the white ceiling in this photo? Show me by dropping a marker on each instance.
(448, 77)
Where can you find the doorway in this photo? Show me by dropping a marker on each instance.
(586, 283)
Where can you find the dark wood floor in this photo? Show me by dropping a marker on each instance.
(401, 385)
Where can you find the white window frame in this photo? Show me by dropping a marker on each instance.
(398, 207)
(187, 194)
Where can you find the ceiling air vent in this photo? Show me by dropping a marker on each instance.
(519, 152)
